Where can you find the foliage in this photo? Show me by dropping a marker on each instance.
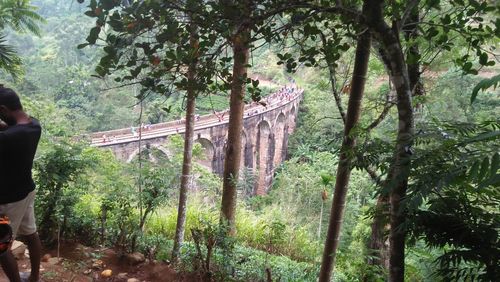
(448, 99)
(352, 259)
(458, 184)
(483, 85)
(133, 57)
(233, 262)
(56, 171)
(157, 187)
(467, 231)
(52, 118)
(247, 264)
(83, 225)
(20, 16)
(452, 179)
(9, 60)
(212, 239)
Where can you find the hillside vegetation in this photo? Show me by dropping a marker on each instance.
(452, 220)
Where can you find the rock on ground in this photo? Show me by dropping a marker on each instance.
(135, 258)
(18, 249)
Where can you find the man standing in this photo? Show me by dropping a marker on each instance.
(19, 136)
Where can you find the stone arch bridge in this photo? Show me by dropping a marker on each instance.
(264, 137)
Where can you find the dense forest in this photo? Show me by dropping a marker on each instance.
(391, 174)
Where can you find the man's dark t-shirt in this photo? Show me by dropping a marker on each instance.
(18, 145)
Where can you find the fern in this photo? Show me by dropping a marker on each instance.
(9, 61)
(453, 194)
(453, 198)
(483, 85)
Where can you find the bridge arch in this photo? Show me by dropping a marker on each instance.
(247, 150)
(291, 118)
(292, 111)
(279, 138)
(208, 152)
(243, 147)
(264, 156)
(159, 147)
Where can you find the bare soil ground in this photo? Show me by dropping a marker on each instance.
(78, 263)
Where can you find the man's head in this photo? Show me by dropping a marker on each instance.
(9, 103)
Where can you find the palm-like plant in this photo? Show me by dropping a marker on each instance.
(20, 16)
(9, 61)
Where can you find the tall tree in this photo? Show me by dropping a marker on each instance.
(240, 40)
(400, 166)
(405, 75)
(247, 21)
(346, 155)
(438, 31)
(380, 226)
(186, 177)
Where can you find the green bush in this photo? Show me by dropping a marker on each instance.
(59, 176)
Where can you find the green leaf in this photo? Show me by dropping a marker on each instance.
(109, 4)
(326, 178)
(488, 136)
(94, 34)
(100, 71)
(167, 109)
(467, 66)
(433, 4)
(483, 59)
(446, 19)
(432, 32)
(413, 58)
(485, 165)
(495, 163)
(493, 181)
(90, 13)
(83, 45)
(474, 170)
(135, 72)
(483, 85)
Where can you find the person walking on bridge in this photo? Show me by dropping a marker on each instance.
(19, 136)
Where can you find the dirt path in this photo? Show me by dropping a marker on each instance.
(84, 264)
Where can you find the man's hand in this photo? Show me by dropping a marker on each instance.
(3, 125)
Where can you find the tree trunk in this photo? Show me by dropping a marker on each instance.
(400, 167)
(379, 225)
(333, 81)
(186, 178)
(104, 213)
(233, 149)
(320, 219)
(414, 73)
(344, 166)
(378, 248)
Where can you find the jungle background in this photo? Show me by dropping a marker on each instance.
(85, 195)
